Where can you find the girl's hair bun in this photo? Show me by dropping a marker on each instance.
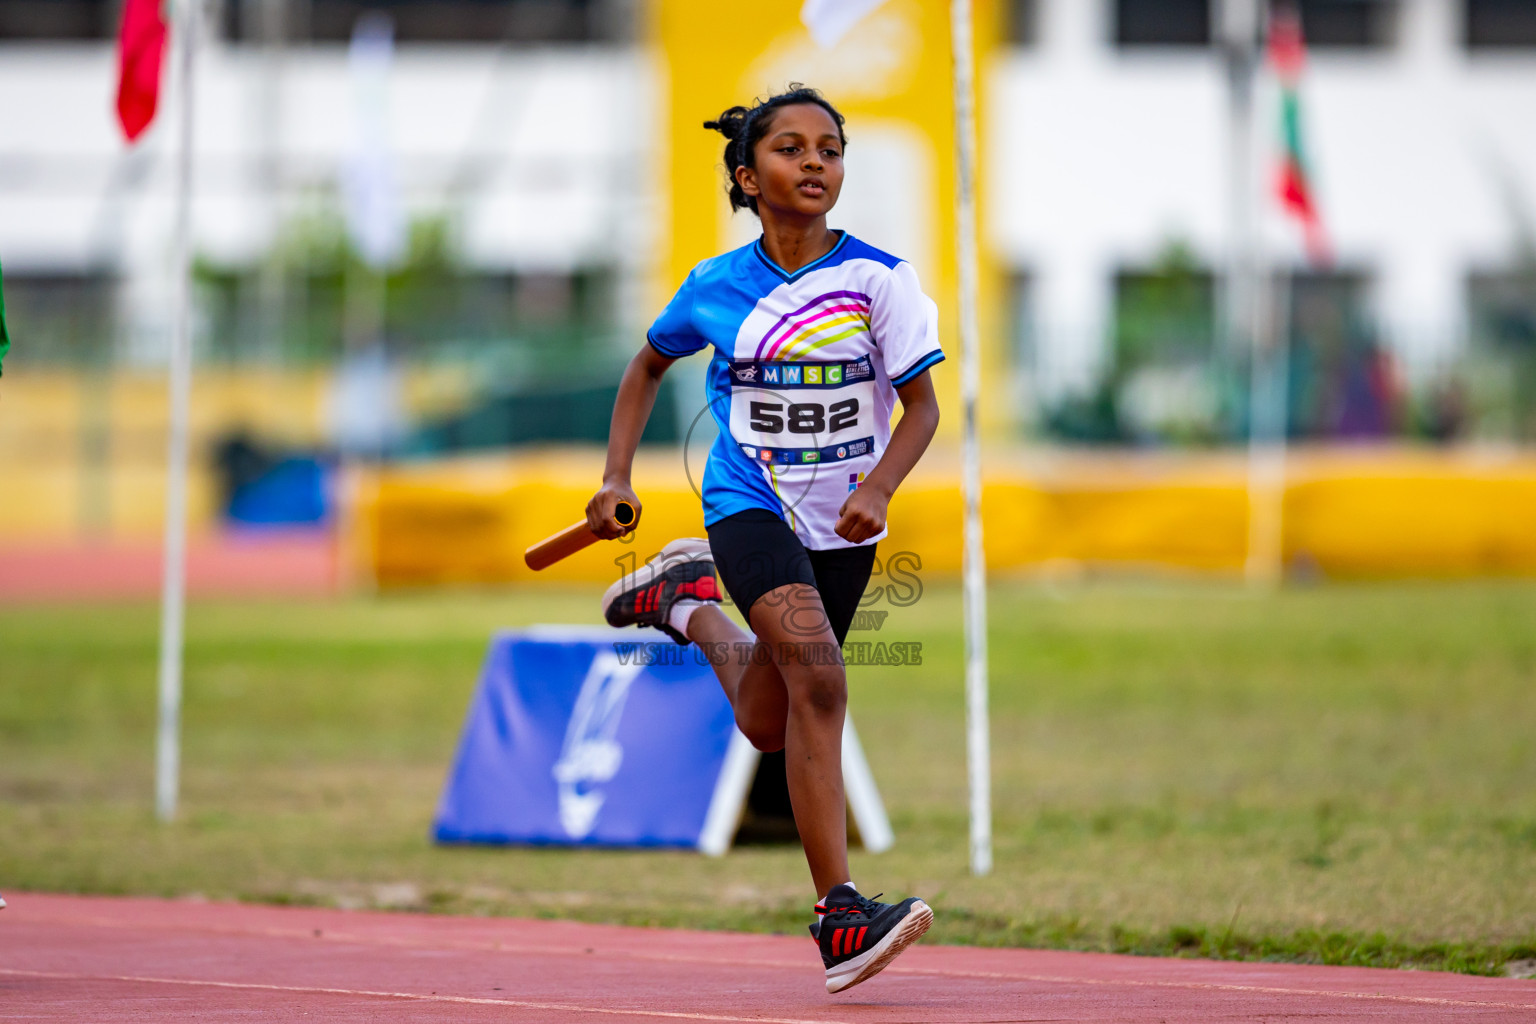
(730, 123)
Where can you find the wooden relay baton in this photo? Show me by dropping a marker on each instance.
(572, 539)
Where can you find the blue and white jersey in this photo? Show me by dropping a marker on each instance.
(802, 383)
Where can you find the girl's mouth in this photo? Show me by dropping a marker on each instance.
(812, 187)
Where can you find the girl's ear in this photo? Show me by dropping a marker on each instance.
(746, 177)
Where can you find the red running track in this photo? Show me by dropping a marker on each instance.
(275, 563)
(72, 958)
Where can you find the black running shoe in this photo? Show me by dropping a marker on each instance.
(858, 937)
(684, 569)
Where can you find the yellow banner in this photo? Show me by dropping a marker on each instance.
(1348, 515)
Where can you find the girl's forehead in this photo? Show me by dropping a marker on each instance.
(806, 118)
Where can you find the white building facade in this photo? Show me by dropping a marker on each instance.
(1100, 151)
(1423, 151)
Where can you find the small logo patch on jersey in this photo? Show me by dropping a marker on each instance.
(810, 456)
(770, 375)
(751, 452)
(858, 448)
(813, 375)
(858, 370)
(766, 454)
(834, 375)
(854, 479)
(842, 451)
(747, 373)
(791, 375)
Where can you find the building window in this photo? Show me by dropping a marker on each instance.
(432, 313)
(1503, 309)
(433, 21)
(1501, 369)
(1162, 22)
(1342, 381)
(1022, 354)
(1326, 23)
(1020, 22)
(58, 19)
(1349, 23)
(1500, 24)
(1165, 384)
(1166, 313)
(66, 318)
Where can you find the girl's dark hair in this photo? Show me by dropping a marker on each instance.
(744, 128)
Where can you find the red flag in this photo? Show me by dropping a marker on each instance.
(140, 47)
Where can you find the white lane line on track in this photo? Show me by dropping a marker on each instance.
(903, 969)
(522, 1004)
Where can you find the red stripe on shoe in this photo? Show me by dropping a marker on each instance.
(859, 942)
(703, 588)
(837, 938)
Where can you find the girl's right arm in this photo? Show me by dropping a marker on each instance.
(631, 410)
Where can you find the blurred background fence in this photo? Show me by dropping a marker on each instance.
(525, 161)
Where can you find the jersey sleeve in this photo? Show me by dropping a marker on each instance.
(905, 323)
(673, 333)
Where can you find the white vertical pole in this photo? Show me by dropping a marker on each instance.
(1247, 293)
(173, 585)
(1268, 414)
(1239, 34)
(978, 742)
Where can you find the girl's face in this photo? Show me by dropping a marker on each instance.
(799, 170)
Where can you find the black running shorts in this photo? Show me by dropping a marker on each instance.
(756, 551)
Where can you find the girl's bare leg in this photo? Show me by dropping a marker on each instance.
(747, 674)
(796, 701)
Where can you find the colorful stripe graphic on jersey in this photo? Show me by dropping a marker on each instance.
(825, 319)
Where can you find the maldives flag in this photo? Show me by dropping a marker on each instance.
(140, 47)
(1287, 55)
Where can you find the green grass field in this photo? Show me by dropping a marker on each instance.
(1343, 774)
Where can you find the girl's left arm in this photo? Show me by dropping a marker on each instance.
(863, 514)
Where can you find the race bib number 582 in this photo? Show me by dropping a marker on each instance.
(802, 412)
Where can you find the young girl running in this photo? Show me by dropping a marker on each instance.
(815, 334)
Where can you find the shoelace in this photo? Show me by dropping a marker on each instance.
(865, 905)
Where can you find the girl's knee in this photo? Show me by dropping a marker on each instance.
(821, 689)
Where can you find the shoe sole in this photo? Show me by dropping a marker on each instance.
(684, 549)
(889, 948)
